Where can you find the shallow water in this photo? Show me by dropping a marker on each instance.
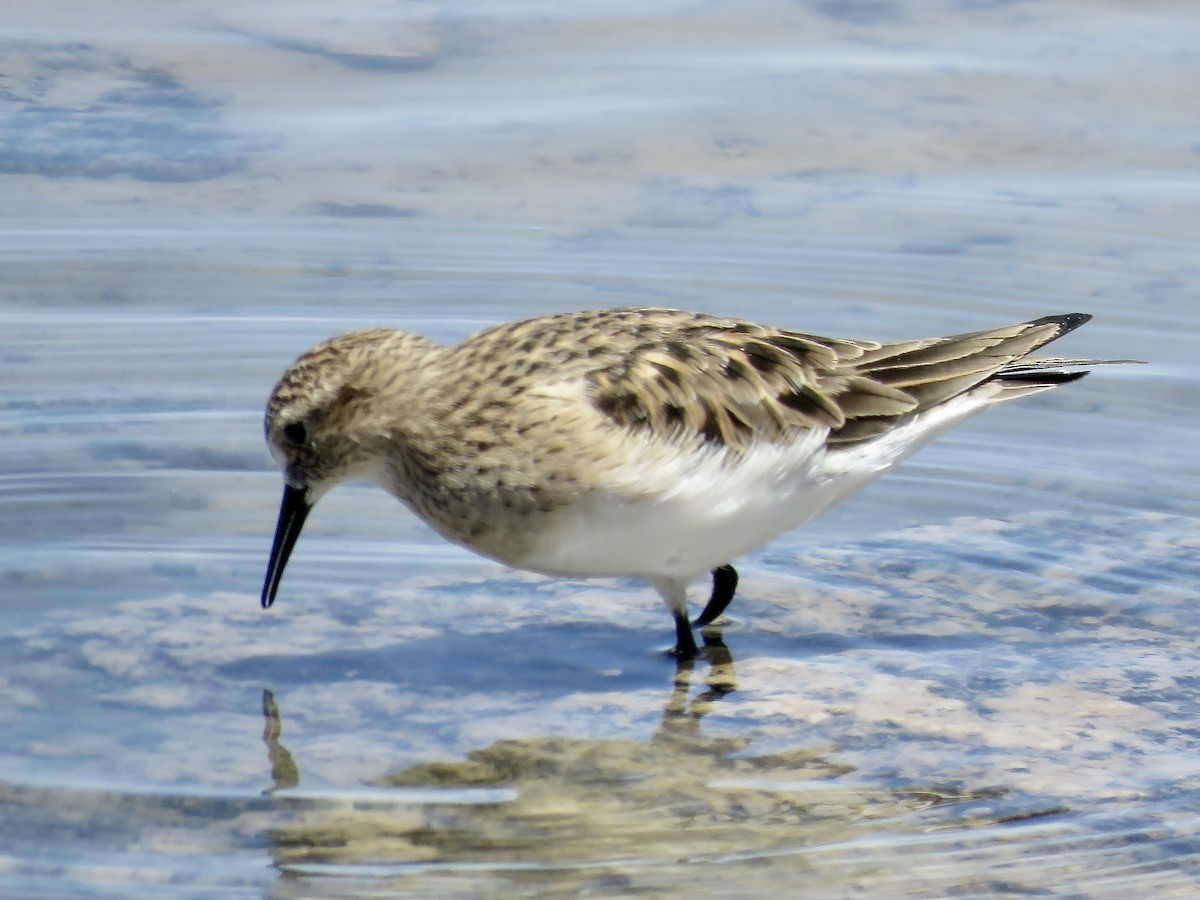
(976, 678)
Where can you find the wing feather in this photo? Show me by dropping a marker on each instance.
(730, 383)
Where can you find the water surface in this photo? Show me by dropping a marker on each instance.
(975, 678)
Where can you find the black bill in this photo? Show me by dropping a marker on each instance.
(292, 513)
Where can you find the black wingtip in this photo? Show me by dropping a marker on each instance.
(1066, 322)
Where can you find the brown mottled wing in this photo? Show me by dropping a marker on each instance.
(730, 383)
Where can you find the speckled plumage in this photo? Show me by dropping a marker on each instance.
(648, 442)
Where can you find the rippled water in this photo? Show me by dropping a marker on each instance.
(976, 678)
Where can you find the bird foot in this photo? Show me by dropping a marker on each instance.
(725, 580)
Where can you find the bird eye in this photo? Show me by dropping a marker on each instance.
(295, 433)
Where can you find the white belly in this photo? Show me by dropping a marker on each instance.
(670, 513)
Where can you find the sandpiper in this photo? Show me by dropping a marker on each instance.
(654, 443)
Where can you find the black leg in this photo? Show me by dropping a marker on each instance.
(685, 641)
(725, 579)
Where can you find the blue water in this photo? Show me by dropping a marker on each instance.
(975, 678)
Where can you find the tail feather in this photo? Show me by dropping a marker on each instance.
(937, 370)
(1031, 377)
(1026, 375)
(932, 371)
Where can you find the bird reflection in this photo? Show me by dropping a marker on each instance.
(284, 771)
(682, 714)
(680, 719)
(597, 809)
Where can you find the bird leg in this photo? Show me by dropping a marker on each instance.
(674, 594)
(685, 642)
(725, 579)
